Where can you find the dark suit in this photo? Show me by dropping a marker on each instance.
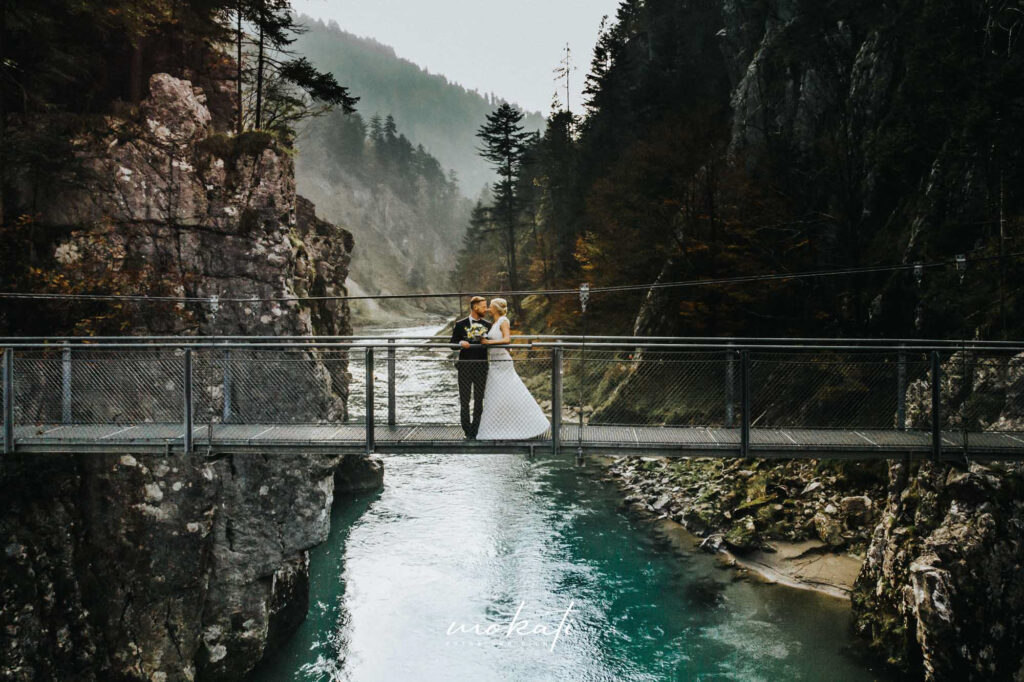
(472, 370)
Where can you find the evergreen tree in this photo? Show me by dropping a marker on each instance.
(283, 83)
(505, 144)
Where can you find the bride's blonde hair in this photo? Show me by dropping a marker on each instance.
(501, 304)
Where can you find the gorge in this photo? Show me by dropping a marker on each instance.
(720, 138)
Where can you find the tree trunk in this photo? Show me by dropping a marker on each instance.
(238, 86)
(135, 74)
(259, 82)
(513, 275)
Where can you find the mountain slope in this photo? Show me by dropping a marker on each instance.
(440, 115)
(406, 214)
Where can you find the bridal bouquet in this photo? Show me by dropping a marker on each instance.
(475, 332)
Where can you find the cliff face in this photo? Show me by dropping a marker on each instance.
(160, 567)
(887, 130)
(941, 590)
(878, 124)
(170, 205)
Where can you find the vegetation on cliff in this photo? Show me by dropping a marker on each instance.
(725, 139)
(102, 169)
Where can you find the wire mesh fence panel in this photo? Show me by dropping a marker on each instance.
(38, 387)
(99, 387)
(653, 388)
(274, 386)
(419, 371)
(831, 389)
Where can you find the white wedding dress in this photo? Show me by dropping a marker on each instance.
(510, 410)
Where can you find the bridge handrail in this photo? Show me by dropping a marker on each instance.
(270, 343)
(196, 343)
(731, 382)
(775, 343)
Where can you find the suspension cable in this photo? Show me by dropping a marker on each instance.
(918, 268)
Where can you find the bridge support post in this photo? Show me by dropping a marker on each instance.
(936, 408)
(745, 397)
(901, 391)
(8, 400)
(369, 401)
(556, 400)
(730, 388)
(65, 385)
(226, 414)
(392, 412)
(187, 441)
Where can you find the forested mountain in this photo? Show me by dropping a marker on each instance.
(404, 209)
(727, 139)
(440, 115)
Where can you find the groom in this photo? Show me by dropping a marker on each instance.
(472, 362)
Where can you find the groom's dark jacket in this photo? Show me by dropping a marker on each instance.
(461, 332)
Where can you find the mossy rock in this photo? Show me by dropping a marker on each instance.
(742, 535)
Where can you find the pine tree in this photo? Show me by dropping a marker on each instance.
(279, 72)
(505, 144)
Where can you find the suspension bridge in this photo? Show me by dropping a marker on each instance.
(678, 397)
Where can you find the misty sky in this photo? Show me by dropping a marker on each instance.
(508, 47)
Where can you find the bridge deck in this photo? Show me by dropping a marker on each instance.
(611, 440)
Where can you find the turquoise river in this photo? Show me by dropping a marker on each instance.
(495, 567)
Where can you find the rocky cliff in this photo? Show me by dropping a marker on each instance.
(941, 592)
(169, 204)
(159, 567)
(882, 126)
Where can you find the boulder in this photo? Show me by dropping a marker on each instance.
(742, 536)
(828, 529)
(857, 510)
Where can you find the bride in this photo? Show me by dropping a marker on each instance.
(510, 411)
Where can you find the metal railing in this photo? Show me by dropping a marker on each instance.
(733, 397)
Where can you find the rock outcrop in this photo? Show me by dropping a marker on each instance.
(942, 588)
(170, 206)
(169, 567)
(156, 567)
(941, 593)
(746, 505)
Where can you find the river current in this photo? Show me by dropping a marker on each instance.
(495, 567)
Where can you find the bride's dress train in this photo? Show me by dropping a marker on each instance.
(510, 410)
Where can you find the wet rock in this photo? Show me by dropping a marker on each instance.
(660, 503)
(357, 474)
(713, 543)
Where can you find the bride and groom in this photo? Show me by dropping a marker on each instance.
(503, 408)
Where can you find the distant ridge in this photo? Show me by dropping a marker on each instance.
(432, 111)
